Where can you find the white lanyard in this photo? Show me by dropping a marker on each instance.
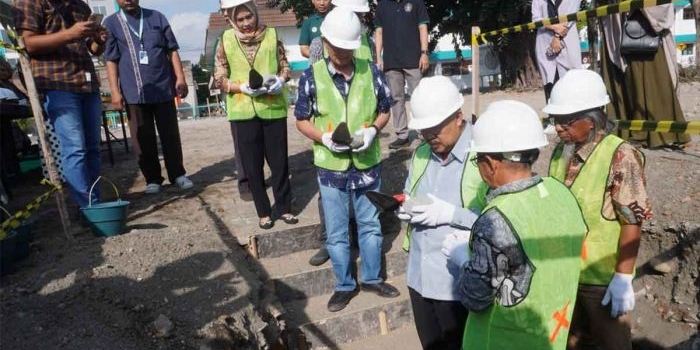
(138, 34)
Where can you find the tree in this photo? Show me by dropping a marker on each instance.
(201, 76)
(515, 51)
(696, 11)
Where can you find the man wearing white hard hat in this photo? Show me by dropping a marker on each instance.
(360, 8)
(519, 270)
(606, 174)
(445, 194)
(349, 90)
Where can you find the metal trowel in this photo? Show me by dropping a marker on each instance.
(385, 202)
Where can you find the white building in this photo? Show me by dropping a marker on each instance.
(684, 31)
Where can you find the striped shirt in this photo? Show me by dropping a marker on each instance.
(68, 68)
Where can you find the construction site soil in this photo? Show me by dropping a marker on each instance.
(181, 264)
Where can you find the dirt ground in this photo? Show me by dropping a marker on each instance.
(180, 264)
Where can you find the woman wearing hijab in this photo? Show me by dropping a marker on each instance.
(257, 112)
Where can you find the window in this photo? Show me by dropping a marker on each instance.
(100, 9)
(687, 50)
(688, 13)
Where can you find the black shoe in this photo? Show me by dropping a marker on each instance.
(290, 219)
(382, 289)
(244, 192)
(339, 300)
(398, 143)
(266, 224)
(320, 257)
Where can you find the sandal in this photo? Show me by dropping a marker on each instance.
(266, 224)
(290, 219)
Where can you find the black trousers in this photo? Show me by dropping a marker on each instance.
(260, 140)
(440, 324)
(143, 121)
(242, 177)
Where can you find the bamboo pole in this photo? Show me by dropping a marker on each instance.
(37, 110)
(476, 77)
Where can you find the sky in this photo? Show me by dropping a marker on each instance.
(189, 20)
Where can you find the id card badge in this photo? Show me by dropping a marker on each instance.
(143, 57)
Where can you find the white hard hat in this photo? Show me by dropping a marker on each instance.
(433, 100)
(342, 28)
(227, 4)
(578, 90)
(508, 126)
(353, 5)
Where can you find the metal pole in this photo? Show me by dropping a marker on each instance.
(476, 78)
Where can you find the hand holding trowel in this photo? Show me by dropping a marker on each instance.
(401, 203)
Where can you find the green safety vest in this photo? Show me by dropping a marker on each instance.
(473, 190)
(359, 111)
(599, 256)
(241, 106)
(363, 52)
(549, 227)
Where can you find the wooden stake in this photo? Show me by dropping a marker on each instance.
(37, 110)
(476, 77)
(253, 246)
(383, 323)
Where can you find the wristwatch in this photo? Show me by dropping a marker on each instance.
(424, 52)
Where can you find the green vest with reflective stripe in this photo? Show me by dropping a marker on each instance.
(601, 244)
(363, 52)
(548, 225)
(472, 189)
(241, 106)
(358, 111)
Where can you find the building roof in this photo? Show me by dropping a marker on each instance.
(272, 17)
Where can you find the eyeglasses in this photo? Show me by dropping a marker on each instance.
(478, 159)
(564, 122)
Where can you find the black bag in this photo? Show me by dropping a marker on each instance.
(638, 37)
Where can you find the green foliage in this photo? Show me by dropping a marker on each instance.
(201, 76)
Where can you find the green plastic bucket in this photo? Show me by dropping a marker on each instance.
(109, 218)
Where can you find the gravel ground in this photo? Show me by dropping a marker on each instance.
(181, 262)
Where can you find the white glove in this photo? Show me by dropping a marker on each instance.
(621, 294)
(334, 147)
(436, 213)
(276, 87)
(245, 88)
(368, 135)
(455, 247)
(402, 214)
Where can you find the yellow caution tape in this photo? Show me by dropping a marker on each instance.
(602, 11)
(660, 126)
(16, 220)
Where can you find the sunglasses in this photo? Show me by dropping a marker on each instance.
(565, 122)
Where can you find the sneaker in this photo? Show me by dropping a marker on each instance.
(183, 182)
(398, 143)
(339, 300)
(382, 289)
(152, 188)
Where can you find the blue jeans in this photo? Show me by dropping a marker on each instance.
(336, 208)
(76, 119)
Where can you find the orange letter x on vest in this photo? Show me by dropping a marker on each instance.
(562, 322)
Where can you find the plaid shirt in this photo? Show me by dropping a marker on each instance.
(70, 67)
